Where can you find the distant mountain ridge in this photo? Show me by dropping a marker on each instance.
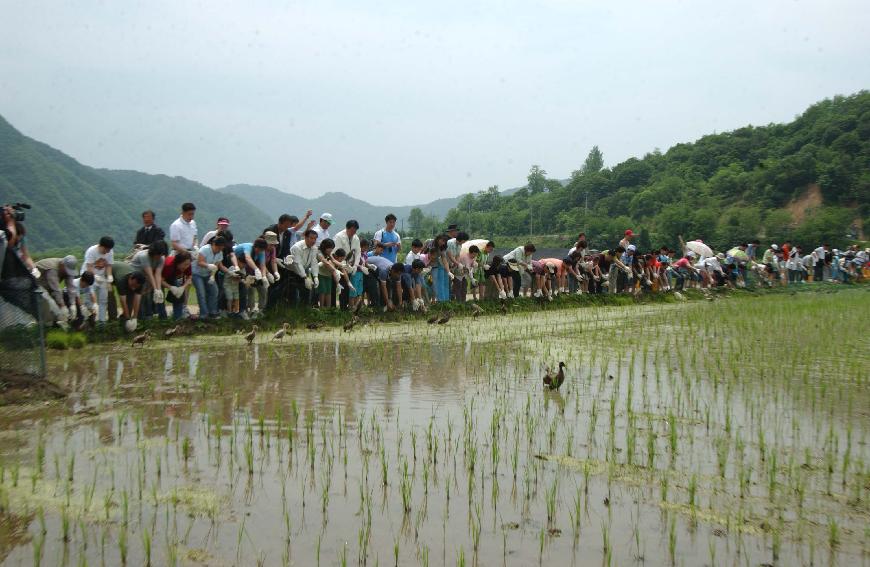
(74, 204)
(341, 205)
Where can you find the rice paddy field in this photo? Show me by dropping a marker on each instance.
(721, 432)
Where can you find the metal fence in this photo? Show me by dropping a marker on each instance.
(22, 330)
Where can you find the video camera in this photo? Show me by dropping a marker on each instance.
(18, 208)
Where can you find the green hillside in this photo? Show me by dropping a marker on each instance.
(164, 195)
(66, 196)
(808, 181)
(341, 205)
(73, 204)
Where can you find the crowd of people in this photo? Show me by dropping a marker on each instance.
(300, 262)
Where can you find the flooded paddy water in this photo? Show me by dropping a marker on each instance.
(730, 432)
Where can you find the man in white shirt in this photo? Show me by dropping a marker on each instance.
(98, 261)
(182, 232)
(520, 258)
(322, 228)
(348, 241)
(819, 255)
(303, 268)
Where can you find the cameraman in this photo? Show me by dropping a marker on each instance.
(15, 233)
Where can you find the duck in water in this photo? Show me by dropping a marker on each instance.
(555, 382)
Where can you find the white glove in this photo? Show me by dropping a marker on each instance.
(280, 262)
(212, 268)
(109, 279)
(316, 281)
(265, 283)
(258, 275)
(83, 309)
(364, 270)
(63, 324)
(158, 296)
(451, 276)
(249, 280)
(487, 267)
(426, 270)
(63, 313)
(276, 276)
(99, 280)
(309, 283)
(130, 325)
(35, 273)
(270, 278)
(288, 260)
(502, 295)
(177, 291)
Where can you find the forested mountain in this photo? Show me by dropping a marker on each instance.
(73, 204)
(808, 180)
(341, 205)
(164, 195)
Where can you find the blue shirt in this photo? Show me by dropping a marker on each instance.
(210, 258)
(383, 264)
(387, 237)
(246, 249)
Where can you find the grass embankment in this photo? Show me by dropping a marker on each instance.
(302, 318)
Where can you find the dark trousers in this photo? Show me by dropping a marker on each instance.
(281, 291)
(517, 280)
(460, 289)
(372, 287)
(819, 272)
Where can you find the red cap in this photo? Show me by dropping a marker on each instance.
(629, 233)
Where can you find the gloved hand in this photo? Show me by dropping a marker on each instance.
(309, 283)
(157, 296)
(264, 283)
(487, 267)
(280, 262)
(258, 275)
(288, 260)
(502, 295)
(316, 281)
(177, 291)
(63, 313)
(35, 273)
(451, 276)
(276, 276)
(364, 270)
(250, 280)
(426, 271)
(130, 325)
(270, 278)
(109, 279)
(99, 280)
(212, 268)
(83, 309)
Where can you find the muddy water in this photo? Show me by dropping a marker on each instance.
(683, 434)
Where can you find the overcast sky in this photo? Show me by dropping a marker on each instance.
(403, 102)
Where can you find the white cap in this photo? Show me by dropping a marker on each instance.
(327, 217)
(631, 248)
(774, 247)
